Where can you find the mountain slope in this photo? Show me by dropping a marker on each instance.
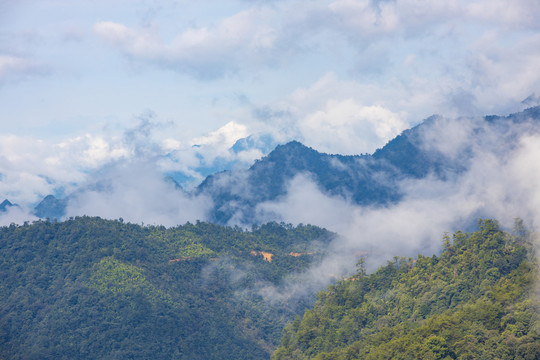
(437, 147)
(236, 194)
(5, 205)
(51, 208)
(476, 301)
(89, 288)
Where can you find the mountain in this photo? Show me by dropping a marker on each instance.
(237, 193)
(477, 300)
(89, 288)
(232, 158)
(51, 208)
(438, 147)
(5, 205)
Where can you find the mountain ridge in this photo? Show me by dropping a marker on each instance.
(476, 300)
(367, 179)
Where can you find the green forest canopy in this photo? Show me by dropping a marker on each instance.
(477, 300)
(90, 288)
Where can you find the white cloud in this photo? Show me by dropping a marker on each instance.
(501, 183)
(223, 138)
(206, 52)
(413, 17)
(94, 151)
(524, 170)
(211, 151)
(305, 203)
(465, 54)
(507, 72)
(362, 17)
(516, 14)
(32, 168)
(14, 67)
(326, 117)
(346, 127)
(15, 215)
(137, 192)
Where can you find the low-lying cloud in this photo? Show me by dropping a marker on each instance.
(502, 172)
(138, 193)
(501, 182)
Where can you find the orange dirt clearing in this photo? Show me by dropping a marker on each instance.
(295, 254)
(266, 255)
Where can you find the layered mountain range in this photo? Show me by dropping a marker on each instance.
(90, 288)
(438, 147)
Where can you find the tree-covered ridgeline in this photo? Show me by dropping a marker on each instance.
(477, 300)
(89, 288)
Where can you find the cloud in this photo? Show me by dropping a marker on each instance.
(119, 176)
(28, 165)
(429, 52)
(364, 18)
(14, 68)
(90, 151)
(32, 168)
(99, 175)
(206, 52)
(508, 72)
(137, 192)
(306, 203)
(219, 145)
(224, 138)
(413, 18)
(407, 58)
(519, 14)
(337, 116)
(15, 215)
(212, 152)
(346, 127)
(501, 182)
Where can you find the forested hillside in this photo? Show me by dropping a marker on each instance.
(89, 288)
(477, 300)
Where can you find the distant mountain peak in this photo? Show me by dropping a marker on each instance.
(293, 145)
(5, 205)
(364, 179)
(51, 208)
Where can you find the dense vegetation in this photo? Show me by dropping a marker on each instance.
(477, 300)
(89, 288)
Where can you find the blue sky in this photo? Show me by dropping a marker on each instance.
(86, 84)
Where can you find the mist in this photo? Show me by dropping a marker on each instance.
(497, 177)
(137, 192)
(15, 215)
(501, 182)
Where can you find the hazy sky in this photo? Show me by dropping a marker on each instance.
(89, 82)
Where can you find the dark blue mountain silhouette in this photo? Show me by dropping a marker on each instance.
(5, 205)
(362, 179)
